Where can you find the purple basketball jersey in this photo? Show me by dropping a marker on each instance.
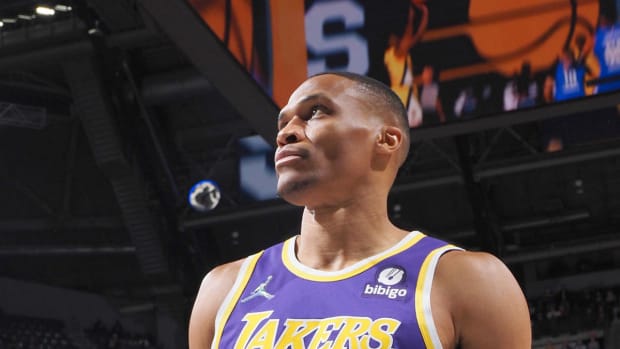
(380, 302)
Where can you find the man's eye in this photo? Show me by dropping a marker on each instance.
(316, 109)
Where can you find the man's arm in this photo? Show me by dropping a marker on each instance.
(409, 37)
(485, 302)
(214, 288)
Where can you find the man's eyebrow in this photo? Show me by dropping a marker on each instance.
(305, 99)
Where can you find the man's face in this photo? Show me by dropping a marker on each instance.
(325, 142)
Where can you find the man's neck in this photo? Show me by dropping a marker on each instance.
(337, 237)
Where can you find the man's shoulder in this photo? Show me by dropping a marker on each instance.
(472, 280)
(224, 271)
(462, 265)
(483, 296)
(231, 269)
(227, 272)
(218, 282)
(213, 290)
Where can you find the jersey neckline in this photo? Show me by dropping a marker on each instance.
(296, 267)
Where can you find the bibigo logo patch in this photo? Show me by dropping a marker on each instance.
(389, 284)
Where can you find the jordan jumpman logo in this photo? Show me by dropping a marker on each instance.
(259, 291)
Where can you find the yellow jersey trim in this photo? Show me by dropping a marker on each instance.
(294, 266)
(228, 305)
(423, 311)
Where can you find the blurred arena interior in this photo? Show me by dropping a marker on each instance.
(107, 121)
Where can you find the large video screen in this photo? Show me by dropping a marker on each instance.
(448, 60)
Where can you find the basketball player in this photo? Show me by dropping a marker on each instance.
(399, 64)
(352, 279)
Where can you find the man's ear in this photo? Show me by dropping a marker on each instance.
(390, 140)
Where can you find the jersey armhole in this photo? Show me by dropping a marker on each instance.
(228, 305)
(423, 310)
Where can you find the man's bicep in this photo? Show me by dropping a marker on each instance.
(491, 310)
(214, 288)
(202, 320)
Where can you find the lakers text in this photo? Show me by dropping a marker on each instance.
(260, 331)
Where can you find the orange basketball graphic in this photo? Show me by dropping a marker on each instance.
(507, 33)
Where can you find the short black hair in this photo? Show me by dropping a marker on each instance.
(383, 97)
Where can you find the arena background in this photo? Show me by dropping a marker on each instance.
(112, 111)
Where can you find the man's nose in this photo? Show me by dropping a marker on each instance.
(291, 133)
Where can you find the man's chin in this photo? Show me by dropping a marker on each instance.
(294, 192)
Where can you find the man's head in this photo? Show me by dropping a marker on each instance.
(340, 133)
(387, 104)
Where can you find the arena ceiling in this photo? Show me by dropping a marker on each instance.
(111, 111)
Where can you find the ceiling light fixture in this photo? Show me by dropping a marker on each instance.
(204, 196)
(62, 8)
(45, 11)
(25, 17)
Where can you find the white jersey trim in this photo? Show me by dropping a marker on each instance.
(227, 306)
(428, 274)
(295, 266)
